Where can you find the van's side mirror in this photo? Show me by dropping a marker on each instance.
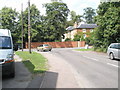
(15, 48)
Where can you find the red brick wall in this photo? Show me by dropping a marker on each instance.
(68, 44)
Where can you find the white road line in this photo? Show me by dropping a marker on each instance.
(91, 58)
(95, 59)
(112, 65)
(114, 61)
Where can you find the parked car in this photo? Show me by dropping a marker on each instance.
(114, 51)
(44, 47)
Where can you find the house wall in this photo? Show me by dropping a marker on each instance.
(75, 31)
(69, 44)
(81, 30)
(87, 31)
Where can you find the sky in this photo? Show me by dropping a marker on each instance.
(73, 5)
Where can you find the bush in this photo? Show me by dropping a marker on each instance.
(79, 36)
(100, 50)
(67, 39)
(87, 40)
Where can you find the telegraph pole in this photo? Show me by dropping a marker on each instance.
(22, 24)
(29, 27)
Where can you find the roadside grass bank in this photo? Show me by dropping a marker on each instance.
(89, 49)
(35, 62)
(94, 50)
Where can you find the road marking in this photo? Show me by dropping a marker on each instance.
(91, 58)
(112, 65)
(114, 61)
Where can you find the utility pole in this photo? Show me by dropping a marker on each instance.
(22, 24)
(29, 27)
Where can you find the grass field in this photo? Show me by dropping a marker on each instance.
(35, 62)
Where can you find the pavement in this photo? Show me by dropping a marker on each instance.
(23, 78)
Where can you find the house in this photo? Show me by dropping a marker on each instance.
(82, 27)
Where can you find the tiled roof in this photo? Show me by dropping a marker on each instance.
(70, 28)
(87, 26)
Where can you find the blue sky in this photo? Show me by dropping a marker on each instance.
(75, 5)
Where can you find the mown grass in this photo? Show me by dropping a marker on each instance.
(35, 62)
(90, 49)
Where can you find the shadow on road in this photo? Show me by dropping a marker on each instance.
(50, 80)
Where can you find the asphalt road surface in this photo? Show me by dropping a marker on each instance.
(92, 70)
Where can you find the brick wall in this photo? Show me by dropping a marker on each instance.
(68, 44)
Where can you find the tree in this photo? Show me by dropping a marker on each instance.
(35, 23)
(89, 14)
(79, 37)
(8, 20)
(56, 14)
(75, 18)
(90, 39)
(108, 21)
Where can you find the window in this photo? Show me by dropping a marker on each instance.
(112, 46)
(46, 45)
(84, 30)
(5, 42)
(91, 30)
(41, 46)
(84, 36)
(115, 46)
(118, 46)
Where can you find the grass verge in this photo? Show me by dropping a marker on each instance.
(35, 62)
(90, 49)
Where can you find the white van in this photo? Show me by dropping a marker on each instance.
(6, 53)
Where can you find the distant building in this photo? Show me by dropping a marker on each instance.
(82, 27)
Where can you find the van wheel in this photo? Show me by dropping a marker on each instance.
(12, 75)
(111, 56)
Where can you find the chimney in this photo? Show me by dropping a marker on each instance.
(75, 25)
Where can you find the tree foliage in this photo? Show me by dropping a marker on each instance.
(49, 27)
(35, 23)
(56, 14)
(8, 20)
(79, 37)
(90, 40)
(75, 18)
(108, 21)
(89, 14)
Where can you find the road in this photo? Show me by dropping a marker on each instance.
(91, 69)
